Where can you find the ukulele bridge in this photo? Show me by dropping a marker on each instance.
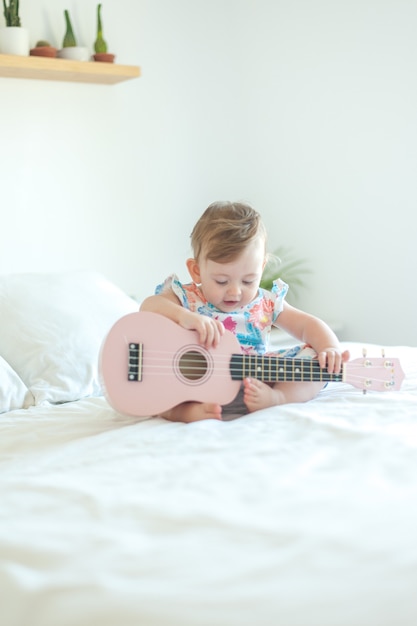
(135, 362)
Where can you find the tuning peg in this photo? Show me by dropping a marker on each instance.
(363, 352)
(383, 353)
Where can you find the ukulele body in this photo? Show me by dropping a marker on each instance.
(173, 366)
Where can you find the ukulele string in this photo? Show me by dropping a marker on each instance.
(161, 362)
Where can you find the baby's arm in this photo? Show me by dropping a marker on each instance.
(167, 304)
(312, 330)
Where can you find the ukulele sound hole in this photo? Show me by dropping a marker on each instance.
(193, 366)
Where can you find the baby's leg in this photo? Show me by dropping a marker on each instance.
(258, 395)
(193, 412)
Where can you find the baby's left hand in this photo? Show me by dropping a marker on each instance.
(332, 358)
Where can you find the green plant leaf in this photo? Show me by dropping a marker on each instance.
(11, 12)
(69, 37)
(292, 270)
(100, 45)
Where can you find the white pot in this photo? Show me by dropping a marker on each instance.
(75, 53)
(14, 40)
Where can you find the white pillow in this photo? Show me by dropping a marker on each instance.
(13, 392)
(52, 327)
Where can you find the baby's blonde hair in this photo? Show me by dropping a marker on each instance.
(224, 230)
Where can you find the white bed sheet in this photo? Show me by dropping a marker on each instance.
(303, 515)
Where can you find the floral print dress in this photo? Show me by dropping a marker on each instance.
(251, 324)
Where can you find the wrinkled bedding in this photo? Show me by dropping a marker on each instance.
(302, 515)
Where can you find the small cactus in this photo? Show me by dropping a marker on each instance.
(100, 45)
(69, 38)
(11, 13)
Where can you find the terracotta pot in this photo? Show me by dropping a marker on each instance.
(104, 57)
(43, 51)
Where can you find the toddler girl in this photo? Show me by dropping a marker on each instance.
(229, 248)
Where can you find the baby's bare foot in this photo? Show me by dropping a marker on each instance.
(258, 395)
(193, 412)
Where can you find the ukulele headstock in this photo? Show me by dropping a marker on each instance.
(373, 373)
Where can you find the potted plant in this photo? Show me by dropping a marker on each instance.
(282, 264)
(100, 46)
(43, 49)
(70, 49)
(14, 39)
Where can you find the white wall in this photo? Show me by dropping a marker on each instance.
(306, 108)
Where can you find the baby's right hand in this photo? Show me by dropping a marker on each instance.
(209, 330)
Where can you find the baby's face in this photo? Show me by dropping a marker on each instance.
(229, 286)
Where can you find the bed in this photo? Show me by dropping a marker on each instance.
(302, 515)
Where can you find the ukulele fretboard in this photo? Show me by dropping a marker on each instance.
(273, 369)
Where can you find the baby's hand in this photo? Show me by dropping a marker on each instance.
(209, 330)
(332, 358)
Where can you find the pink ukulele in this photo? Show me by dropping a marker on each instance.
(150, 364)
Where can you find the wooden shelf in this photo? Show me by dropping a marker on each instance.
(44, 68)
